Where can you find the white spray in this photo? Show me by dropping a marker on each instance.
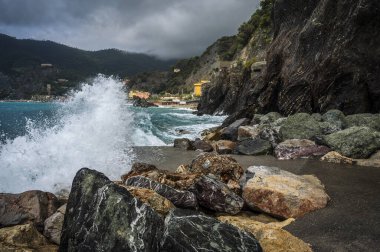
(92, 130)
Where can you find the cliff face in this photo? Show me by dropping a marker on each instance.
(325, 54)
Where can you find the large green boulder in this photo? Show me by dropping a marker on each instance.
(366, 120)
(333, 121)
(354, 142)
(300, 126)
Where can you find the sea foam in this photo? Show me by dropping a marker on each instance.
(91, 129)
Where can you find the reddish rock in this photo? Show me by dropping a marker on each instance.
(137, 169)
(224, 168)
(299, 148)
(283, 194)
(31, 206)
(224, 147)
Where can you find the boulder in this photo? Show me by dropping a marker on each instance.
(30, 206)
(271, 133)
(270, 236)
(248, 132)
(183, 144)
(283, 194)
(254, 147)
(364, 120)
(24, 238)
(160, 204)
(333, 121)
(187, 230)
(225, 168)
(102, 216)
(53, 225)
(176, 180)
(299, 148)
(137, 169)
(231, 132)
(269, 118)
(215, 195)
(224, 147)
(335, 157)
(179, 198)
(354, 142)
(199, 144)
(300, 126)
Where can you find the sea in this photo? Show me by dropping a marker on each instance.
(43, 145)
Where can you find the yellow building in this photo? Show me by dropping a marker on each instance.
(198, 87)
(140, 94)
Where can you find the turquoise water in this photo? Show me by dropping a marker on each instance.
(154, 126)
(43, 145)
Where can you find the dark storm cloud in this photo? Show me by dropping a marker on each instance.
(168, 28)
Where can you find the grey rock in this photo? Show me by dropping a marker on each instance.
(354, 142)
(31, 206)
(254, 147)
(333, 121)
(102, 216)
(190, 231)
(231, 132)
(202, 145)
(364, 120)
(183, 143)
(213, 194)
(299, 148)
(300, 126)
(179, 198)
(53, 225)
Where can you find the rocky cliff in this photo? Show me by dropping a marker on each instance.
(325, 54)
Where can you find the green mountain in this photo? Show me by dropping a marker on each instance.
(20, 65)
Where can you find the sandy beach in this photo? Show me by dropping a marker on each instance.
(350, 222)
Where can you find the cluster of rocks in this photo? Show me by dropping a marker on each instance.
(31, 221)
(140, 102)
(331, 136)
(211, 204)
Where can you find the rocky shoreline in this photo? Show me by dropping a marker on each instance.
(331, 137)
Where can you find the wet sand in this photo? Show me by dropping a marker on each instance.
(350, 222)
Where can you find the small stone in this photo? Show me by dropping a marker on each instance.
(335, 157)
(283, 194)
(183, 169)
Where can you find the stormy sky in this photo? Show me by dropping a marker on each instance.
(166, 28)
